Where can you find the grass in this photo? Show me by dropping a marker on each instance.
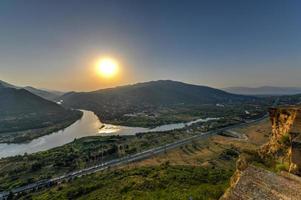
(28, 135)
(145, 183)
(185, 113)
(21, 170)
(36, 129)
(209, 154)
(257, 133)
(205, 152)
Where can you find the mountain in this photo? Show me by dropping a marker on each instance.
(43, 93)
(4, 84)
(22, 110)
(265, 90)
(46, 94)
(113, 102)
(56, 92)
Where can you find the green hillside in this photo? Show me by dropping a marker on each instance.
(21, 110)
(154, 103)
(46, 94)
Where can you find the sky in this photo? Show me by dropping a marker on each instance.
(54, 44)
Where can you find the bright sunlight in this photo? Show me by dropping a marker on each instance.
(107, 67)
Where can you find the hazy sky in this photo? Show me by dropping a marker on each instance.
(54, 44)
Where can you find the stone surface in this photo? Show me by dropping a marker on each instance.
(256, 183)
(284, 146)
(296, 152)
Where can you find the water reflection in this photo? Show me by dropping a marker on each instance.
(88, 125)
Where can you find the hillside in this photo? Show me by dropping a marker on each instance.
(46, 94)
(4, 84)
(156, 93)
(149, 99)
(265, 90)
(200, 170)
(43, 93)
(273, 171)
(21, 110)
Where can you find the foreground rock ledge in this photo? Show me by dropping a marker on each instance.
(257, 184)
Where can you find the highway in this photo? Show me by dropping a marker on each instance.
(121, 161)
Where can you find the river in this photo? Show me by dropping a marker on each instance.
(88, 125)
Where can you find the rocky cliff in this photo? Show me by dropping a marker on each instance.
(286, 130)
(283, 149)
(256, 183)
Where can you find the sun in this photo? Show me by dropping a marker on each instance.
(107, 67)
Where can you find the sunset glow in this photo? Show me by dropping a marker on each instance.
(107, 67)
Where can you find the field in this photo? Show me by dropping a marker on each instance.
(31, 128)
(21, 170)
(153, 117)
(30, 134)
(145, 183)
(210, 152)
(201, 170)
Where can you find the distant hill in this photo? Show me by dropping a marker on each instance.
(56, 92)
(43, 93)
(265, 90)
(46, 94)
(113, 102)
(22, 110)
(4, 85)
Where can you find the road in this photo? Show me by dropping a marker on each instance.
(121, 161)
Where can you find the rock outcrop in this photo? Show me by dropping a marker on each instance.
(257, 184)
(285, 143)
(284, 149)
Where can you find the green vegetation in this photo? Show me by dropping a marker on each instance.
(269, 162)
(161, 102)
(25, 116)
(28, 135)
(160, 182)
(282, 167)
(166, 182)
(49, 95)
(21, 170)
(290, 100)
(186, 113)
(285, 140)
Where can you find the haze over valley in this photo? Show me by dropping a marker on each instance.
(150, 100)
(264, 90)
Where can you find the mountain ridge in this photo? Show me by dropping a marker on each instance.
(46, 94)
(25, 116)
(112, 103)
(167, 85)
(264, 90)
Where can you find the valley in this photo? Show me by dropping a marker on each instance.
(200, 170)
(144, 111)
(150, 100)
(90, 151)
(25, 116)
(155, 103)
(88, 146)
(88, 125)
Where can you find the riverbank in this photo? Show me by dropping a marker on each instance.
(26, 136)
(88, 151)
(89, 125)
(155, 117)
(182, 173)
